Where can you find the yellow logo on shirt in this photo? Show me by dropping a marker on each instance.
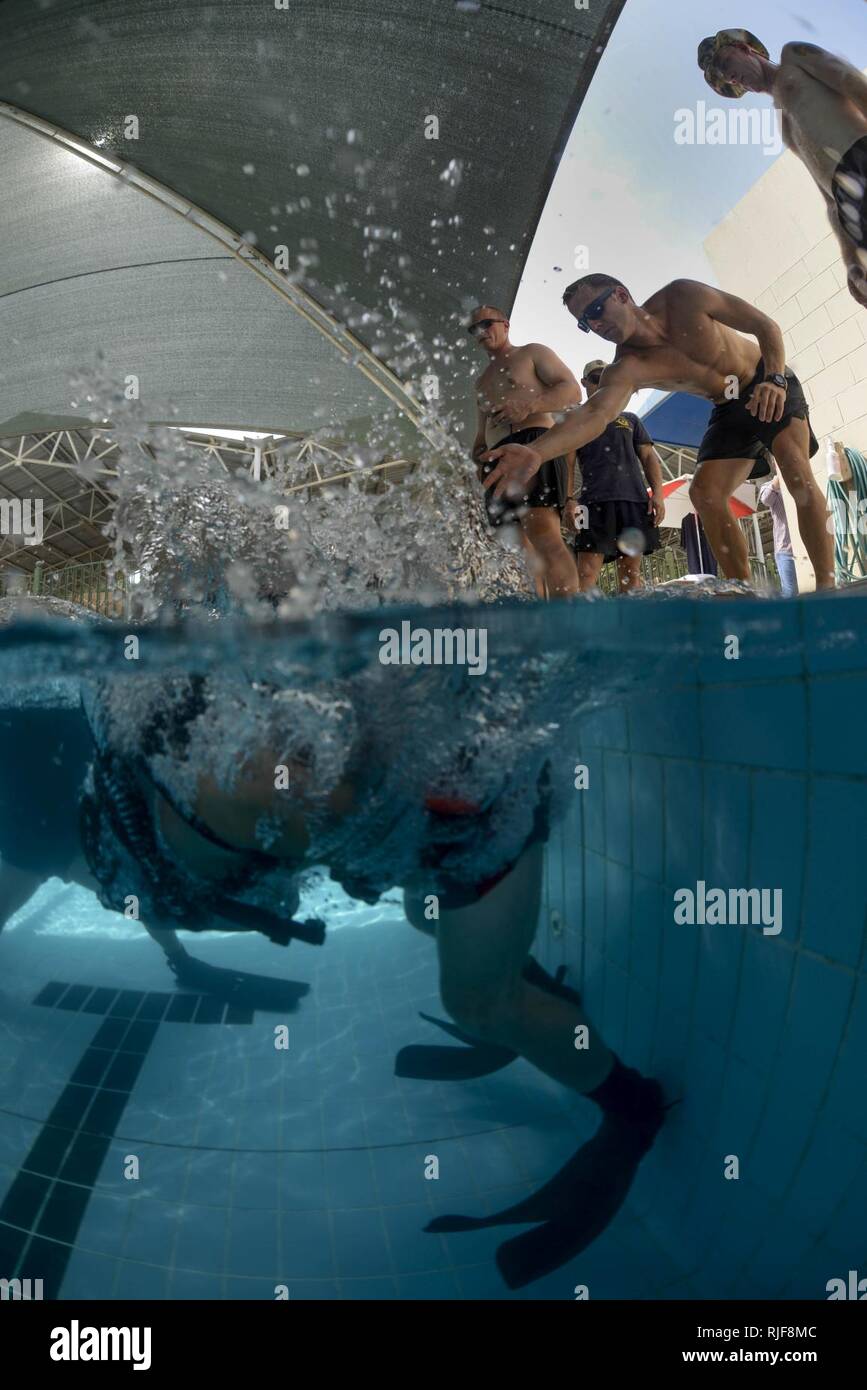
(623, 423)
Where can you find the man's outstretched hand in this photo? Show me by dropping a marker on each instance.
(516, 465)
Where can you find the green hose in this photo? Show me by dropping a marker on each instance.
(847, 503)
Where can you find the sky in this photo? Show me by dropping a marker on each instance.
(640, 203)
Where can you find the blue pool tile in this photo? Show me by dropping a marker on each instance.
(252, 1247)
(680, 946)
(836, 886)
(719, 961)
(667, 726)
(432, 1286)
(670, 1044)
(349, 1179)
(703, 1082)
(89, 1277)
(834, 635)
(820, 1005)
(252, 1290)
(593, 805)
(769, 638)
(618, 830)
(615, 1015)
(139, 1282)
(300, 1181)
(594, 897)
(200, 1241)
(740, 1110)
(360, 1245)
(763, 999)
(618, 882)
(828, 1170)
(683, 824)
(810, 1275)
(779, 840)
(314, 1290)
(649, 902)
(152, 1230)
(726, 827)
(835, 702)
(847, 1101)
(415, 1250)
(647, 823)
(641, 1020)
(783, 1246)
(191, 1284)
(733, 732)
(305, 1246)
(369, 1290)
(847, 1229)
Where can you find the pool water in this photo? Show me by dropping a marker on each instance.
(155, 1144)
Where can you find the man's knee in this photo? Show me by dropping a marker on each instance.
(484, 1012)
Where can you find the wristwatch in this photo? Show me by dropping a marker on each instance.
(777, 379)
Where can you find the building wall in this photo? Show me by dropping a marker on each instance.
(776, 249)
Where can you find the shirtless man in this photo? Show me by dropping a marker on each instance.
(515, 396)
(823, 101)
(687, 337)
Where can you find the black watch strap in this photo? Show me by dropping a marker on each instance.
(778, 379)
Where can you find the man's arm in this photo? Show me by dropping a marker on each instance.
(562, 390)
(768, 402)
(835, 72)
(516, 464)
(652, 465)
(479, 443)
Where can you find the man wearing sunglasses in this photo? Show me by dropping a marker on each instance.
(823, 102)
(689, 337)
(619, 518)
(515, 397)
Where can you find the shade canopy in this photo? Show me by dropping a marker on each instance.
(392, 158)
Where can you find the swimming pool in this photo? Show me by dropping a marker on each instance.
(156, 1144)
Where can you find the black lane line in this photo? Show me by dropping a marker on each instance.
(42, 1212)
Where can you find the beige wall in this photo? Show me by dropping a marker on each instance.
(775, 248)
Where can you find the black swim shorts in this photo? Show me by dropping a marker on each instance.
(850, 193)
(548, 488)
(733, 433)
(606, 523)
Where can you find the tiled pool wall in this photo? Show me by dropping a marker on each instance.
(745, 772)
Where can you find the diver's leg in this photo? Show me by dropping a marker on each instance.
(589, 569)
(534, 565)
(482, 952)
(713, 484)
(542, 527)
(16, 887)
(167, 940)
(792, 453)
(629, 574)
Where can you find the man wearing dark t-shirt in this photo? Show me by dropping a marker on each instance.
(613, 517)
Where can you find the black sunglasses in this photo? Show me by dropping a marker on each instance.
(473, 328)
(594, 310)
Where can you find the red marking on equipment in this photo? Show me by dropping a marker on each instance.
(451, 806)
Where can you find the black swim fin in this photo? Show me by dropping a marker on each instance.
(238, 987)
(426, 1062)
(574, 1207)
